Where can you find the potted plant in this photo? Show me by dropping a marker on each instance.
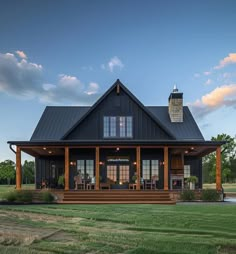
(134, 178)
(192, 180)
(61, 181)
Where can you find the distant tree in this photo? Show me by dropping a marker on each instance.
(28, 169)
(7, 171)
(228, 157)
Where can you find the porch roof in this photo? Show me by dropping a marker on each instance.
(191, 148)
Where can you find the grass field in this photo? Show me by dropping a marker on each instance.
(139, 229)
(228, 187)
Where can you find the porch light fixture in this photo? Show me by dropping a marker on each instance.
(192, 148)
(101, 163)
(49, 152)
(135, 163)
(117, 149)
(44, 148)
(72, 163)
(186, 151)
(120, 183)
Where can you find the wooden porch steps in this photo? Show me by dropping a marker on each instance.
(117, 197)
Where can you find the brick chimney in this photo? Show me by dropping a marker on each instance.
(176, 106)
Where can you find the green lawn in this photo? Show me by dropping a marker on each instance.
(228, 187)
(140, 229)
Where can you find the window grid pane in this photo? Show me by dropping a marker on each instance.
(124, 174)
(122, 126)
(155, 167)
(146, 169)
(129, 126)
(112, 126)
(80, 167)
(106, 126)
(90, 168)
(111, 173)
(186, 171)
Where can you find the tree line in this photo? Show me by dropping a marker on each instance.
(8, 172)
(228, 161)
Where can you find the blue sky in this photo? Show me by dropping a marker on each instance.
(71, 52)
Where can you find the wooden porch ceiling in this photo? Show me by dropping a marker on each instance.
(44, 151)
(196, 151)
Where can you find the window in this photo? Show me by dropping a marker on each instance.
(124, 173)
(146, 169)
(86, 168)
(150, 168)
(186, 171)
(111, 172)
(155, 167)
(118, 126)
(90, 168)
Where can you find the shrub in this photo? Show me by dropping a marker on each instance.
(24, 196)
(61, 181)
(210, 195)
(47, 197)
(10, 196)
(187, 195)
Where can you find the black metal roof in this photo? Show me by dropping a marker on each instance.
(186, 130)
(56, 121)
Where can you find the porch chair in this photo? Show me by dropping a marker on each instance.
(79, 184)
(151, 184)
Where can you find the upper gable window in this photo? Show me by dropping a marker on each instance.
(118, 126)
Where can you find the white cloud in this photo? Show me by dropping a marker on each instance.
(19, 77)
(92, 88)
(69, 82)
(114, 63)
(24, 79)
(221, 96)
(230, 59)
(48, 87)
(208, 82)
(207, 73)
(21, 54)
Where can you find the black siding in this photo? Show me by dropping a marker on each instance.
(195, 167)
(144, 127)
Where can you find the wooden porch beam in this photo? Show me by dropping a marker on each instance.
(138, 162)
(218, 168)
(18, 168)
(67, 168)
(97, 169)
(166, 168)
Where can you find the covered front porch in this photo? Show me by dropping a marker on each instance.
(117, 166)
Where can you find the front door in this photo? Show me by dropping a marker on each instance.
(119, 174)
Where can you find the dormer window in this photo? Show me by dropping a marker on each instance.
(118, 127)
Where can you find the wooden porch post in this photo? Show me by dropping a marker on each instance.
(67, 168)
(97, 167)
(166, 167)
(18, 168)
(138, 166)
(218, 168)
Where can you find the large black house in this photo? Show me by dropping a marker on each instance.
(116, 141)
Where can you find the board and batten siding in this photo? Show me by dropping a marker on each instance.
(144, 127)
